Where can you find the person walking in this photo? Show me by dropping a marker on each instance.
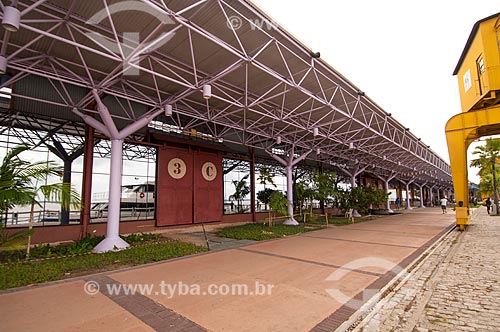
(398, 203)
(488, 205)
(444, 202)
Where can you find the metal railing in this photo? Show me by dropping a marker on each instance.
(50, 217)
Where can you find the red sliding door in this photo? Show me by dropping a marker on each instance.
(189, 187)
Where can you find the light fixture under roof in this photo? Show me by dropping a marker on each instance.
(351, 145)
(207, 91)
(168, 110)
(318, 151)
(11, 18)
(3, 65)
(315, 131)
(278, 140)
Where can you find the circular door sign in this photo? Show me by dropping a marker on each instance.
(209, 171)
(177, 168)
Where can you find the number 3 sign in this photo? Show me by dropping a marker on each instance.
(177, 168)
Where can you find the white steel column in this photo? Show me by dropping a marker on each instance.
(407, 184)
(421, 188)
(432, 195)
(386, 184)
(289, 195)
(115, 184)
(289, 164)
(408, 207)
(113, 242)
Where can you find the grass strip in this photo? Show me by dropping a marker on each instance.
(23, 273)
(259, 231)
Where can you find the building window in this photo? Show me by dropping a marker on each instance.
(480, 65)
(480, 71)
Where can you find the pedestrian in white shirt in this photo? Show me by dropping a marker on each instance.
(444, 202)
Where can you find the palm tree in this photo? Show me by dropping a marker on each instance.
(488, 156)
(241, 190)
(266, 176)
(486, 184)
(15, 179)
(19, 186)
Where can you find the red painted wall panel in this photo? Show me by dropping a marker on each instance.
(208, 194)
(174, 196)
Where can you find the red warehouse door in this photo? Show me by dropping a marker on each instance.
(208, 187)
(175, 187)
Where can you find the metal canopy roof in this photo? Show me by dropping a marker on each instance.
(143, 55)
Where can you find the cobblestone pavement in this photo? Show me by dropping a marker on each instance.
(456, 287)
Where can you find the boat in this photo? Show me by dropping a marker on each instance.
(137, 202)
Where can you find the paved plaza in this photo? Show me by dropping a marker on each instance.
(408, 272)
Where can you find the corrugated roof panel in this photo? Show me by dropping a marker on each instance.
(36, 88)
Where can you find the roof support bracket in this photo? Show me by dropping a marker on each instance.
(113, 242)
(289, 163)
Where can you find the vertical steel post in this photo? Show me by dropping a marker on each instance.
(252, 185)
(87, 179)
(289, 192)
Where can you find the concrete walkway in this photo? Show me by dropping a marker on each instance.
(205, 236)
(456, 288)
(311, 282)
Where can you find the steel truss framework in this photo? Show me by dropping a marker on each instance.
(69, 136)
(268, 90)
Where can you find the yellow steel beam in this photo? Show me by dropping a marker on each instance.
(461, 130)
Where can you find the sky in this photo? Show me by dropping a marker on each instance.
(400, 53)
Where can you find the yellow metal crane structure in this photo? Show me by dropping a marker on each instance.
(478, 73)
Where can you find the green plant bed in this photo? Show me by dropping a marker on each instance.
(24, 273)
(341, 220)
(83, 246)
(314, 219)
(259, 231)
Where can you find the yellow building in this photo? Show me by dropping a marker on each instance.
(478, 73)
(478, 69)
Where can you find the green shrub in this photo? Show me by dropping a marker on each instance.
(138, 238)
